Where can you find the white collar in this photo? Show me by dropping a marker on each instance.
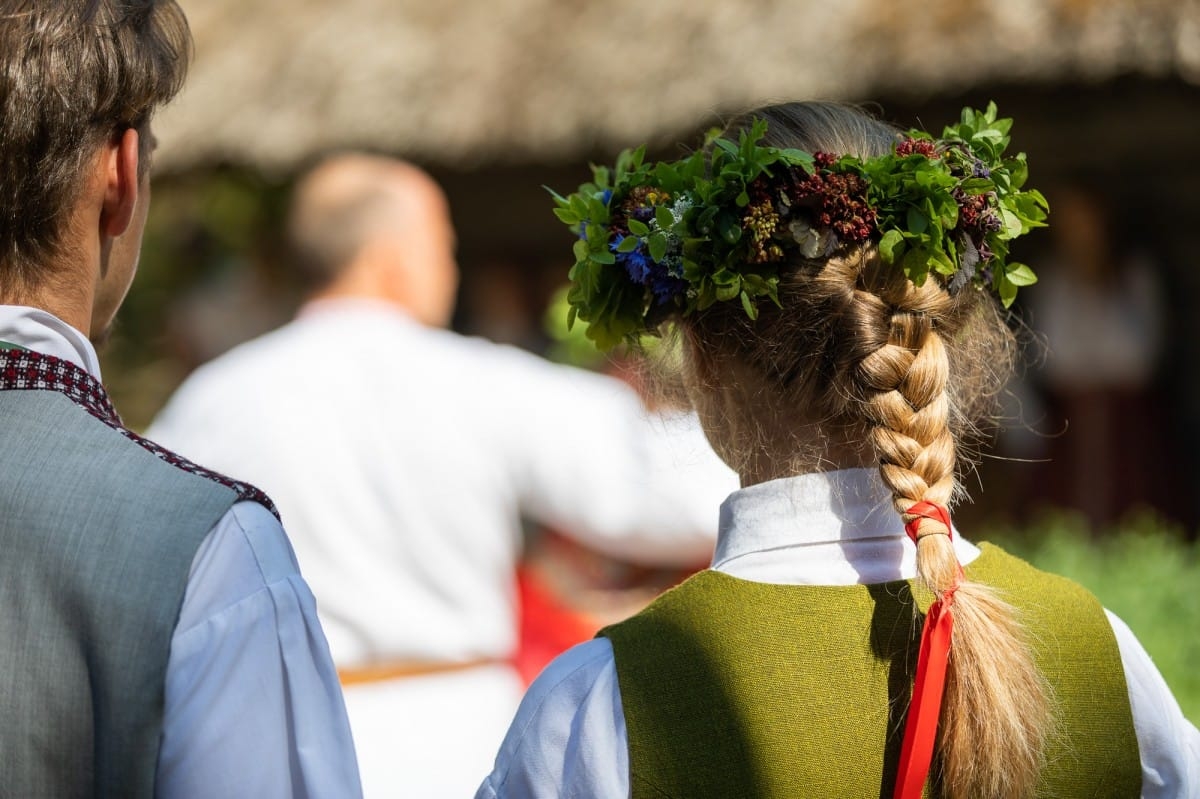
(826, 528)
(44, 332)
(354, 306)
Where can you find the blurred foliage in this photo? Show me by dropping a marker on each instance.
(569, 343)
(1143, 569)
(652, 364)
(202, 228)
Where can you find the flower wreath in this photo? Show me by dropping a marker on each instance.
(657, 240)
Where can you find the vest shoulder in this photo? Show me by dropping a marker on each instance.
(1033, 590)
(63, 456)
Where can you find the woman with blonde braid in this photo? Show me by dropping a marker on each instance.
(837, 288)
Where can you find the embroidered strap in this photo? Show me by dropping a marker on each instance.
(28, 370)
(920, 731)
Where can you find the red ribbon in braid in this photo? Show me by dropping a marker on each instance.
(920, 731)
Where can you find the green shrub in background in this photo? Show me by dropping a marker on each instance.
(1143, 570)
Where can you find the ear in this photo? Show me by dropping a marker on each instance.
(121, 183)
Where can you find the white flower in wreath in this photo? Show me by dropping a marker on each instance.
(680, 207)
(811, 241)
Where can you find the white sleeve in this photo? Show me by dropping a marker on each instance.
(253, 704)
(1169, 744)
(597, 466)
(568, 737)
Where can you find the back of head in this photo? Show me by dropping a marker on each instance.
(867, 333)
(371, 226)
(334, 209)
(819, 127)
(75, 73)
(823, 360)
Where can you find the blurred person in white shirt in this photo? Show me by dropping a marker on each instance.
(403, 458)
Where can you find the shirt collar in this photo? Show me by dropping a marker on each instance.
(830, 528)
(341, 306)
(44, 332)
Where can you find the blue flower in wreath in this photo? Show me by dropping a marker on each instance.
(665, 285)
(667, 282)
(637, 262)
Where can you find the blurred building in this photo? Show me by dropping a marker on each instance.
(500, 98)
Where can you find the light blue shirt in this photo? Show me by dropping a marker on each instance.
(253, 707)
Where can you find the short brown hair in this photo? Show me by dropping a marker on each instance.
(74, 72)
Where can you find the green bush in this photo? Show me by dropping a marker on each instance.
(1143, 570)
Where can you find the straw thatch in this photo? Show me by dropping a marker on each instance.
(451, 81)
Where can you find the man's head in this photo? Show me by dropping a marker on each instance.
(78, 76)
(375, 227)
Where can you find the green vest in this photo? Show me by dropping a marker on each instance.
(733, 688)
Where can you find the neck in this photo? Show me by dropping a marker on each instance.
(374, 285)
(64, 284)
(807, 458)
(763, 445)
(60, 295)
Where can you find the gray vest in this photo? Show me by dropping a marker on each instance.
(97, 537)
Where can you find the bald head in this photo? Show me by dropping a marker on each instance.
(374, 227)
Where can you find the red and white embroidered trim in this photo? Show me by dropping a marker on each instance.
(33, 371)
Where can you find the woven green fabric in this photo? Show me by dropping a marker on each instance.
(739, 689)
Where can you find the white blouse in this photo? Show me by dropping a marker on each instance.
(834, 528)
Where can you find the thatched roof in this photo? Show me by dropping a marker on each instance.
(449, 81)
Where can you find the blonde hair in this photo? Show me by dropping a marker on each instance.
(860, 364)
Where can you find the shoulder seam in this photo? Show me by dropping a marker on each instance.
(522, 737)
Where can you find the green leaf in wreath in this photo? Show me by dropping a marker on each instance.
(916, 265)
(1006, 289)
(728, 291)
(728, 228)
(917, 222)
(749, 306)
(1019, 274)
(581, 250)
(664, 217)
(567, 216)
(657, 244)
(628, 244)
(891, 246)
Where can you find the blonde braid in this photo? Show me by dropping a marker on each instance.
(864, 363)
(995, 712)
